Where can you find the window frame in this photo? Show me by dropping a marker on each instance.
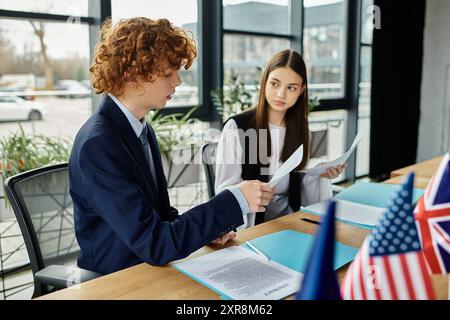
(51, 17)
(296, 37)
(362, 44)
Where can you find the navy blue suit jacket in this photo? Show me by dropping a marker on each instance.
(121, 217)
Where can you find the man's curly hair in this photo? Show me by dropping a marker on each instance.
(138, 48)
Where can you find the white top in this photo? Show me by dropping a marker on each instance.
(229, 171)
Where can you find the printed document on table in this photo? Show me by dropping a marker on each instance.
(323, 167)
(289, 165)
(241, 274)
(349, 211)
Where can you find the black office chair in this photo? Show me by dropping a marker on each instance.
(43, 207)
(209, 161)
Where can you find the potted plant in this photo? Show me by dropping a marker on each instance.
(21, 152)
(235, 98)
(176, 141)
(313, 103)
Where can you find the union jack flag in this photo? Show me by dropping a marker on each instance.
(433, 219)
(390, 264)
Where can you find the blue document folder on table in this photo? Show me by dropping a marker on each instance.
(361, 199)
(292, 248)
(373, 194)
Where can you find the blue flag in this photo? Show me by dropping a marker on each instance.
(319, 281)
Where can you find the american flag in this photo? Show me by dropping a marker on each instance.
(433, 219)
(390, 264)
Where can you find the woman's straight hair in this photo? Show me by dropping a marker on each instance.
(296, 117)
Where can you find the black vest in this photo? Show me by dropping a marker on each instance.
(252, 171)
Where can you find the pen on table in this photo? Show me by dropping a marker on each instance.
(256, 250)
(310, 221)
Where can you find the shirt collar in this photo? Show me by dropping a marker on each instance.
(135, 123)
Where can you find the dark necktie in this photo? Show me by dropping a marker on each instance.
(145, 149)
(144, 144)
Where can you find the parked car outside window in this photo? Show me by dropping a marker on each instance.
(13, 108)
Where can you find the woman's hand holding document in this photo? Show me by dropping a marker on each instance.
(321, 169)
(295, 159)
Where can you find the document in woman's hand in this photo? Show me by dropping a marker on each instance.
(320, 169)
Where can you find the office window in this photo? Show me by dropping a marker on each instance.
(182, 13)
(54, 80)
(63, 7)
(244, 56)
(44, 85)
(248, 43)
(363, 151)
(324, 47)
(270, 16)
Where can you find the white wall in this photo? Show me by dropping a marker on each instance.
(434, 130)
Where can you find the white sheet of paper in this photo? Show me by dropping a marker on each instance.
(243, 275)
(289, 165)
(323, 167)
(350, 211)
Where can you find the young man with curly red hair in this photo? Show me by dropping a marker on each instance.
(122, 211)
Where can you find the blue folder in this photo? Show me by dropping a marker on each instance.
(291, 249)
(373, 194)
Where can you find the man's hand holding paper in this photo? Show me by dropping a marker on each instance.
(258, 194)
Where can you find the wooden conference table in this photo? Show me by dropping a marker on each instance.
(144, 281)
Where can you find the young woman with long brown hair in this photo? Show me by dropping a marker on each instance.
(255, 143)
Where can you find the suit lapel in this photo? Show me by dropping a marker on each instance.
(111, 111)
(163, 194)
(134, 145)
